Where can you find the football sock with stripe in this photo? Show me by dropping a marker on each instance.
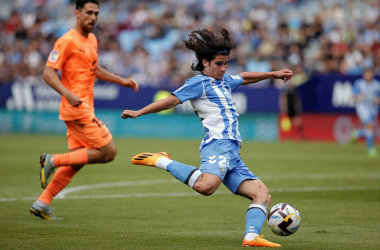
(163, 163)
(61, 178)
(78, 157)
(256, 215)
(369, 134)
(185, 173)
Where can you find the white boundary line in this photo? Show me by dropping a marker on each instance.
(278, 190)
(66, 191)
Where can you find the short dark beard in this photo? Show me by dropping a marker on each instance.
(85, 28)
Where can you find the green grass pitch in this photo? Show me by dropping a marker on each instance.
(336, 189)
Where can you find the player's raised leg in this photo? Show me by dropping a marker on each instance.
(204, 183)
(49, 165)
(184, 173)
(76, 157)
(256, 191)
(68, 165)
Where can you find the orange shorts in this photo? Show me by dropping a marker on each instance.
(88, 132)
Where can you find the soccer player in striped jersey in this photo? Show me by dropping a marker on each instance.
(210, 95)
(366, 98)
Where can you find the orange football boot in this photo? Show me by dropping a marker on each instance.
(149, 159)
(259, 242)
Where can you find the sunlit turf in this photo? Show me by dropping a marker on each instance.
(344, 215)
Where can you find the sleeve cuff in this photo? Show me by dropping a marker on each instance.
(174, 93)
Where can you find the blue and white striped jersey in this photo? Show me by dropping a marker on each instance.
(366, 107)
(212, 101)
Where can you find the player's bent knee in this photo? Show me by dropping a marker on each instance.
(207, 192)
(113, 154)
(259, 194)
(110, 155)
(205, 189)
(264, 197)
(268, 199)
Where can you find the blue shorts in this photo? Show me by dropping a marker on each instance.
(367, 115)
(367, 119)
(221, 157)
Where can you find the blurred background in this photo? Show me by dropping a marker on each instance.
(326, 43)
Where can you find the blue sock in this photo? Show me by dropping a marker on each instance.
(185, 173)
(255, 217)
(369, 139)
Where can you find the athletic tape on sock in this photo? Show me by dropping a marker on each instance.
(193, 177)
(250, 236)
(163, 163)
(258, 206)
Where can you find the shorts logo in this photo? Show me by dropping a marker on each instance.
(222, 170)
(105, 134)
(53, 56)
(211, 159)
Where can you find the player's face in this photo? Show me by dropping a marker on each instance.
(368, 75)
(217, 67)
(88, 16)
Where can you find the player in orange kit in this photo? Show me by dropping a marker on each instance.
(89, 140)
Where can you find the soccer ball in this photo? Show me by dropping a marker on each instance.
(284, 219)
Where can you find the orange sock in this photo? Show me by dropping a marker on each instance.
(60, 180)
(78, 157)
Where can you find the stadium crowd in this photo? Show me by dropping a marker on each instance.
(143, 39)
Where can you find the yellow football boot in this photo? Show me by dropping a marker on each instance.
(259, 242)
(149, 159)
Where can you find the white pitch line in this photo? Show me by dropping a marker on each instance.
(18, 199)
(278, 190)
(66, 191)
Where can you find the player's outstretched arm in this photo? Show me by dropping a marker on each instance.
(107, 76)
(252, 77)
(170, 102)
(50, 76)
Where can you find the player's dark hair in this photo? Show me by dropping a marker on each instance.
(80, 3)
(206, 45)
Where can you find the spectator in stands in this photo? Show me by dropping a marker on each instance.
(291, 108)
(142, 37)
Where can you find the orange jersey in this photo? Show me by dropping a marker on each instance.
(77, 56)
